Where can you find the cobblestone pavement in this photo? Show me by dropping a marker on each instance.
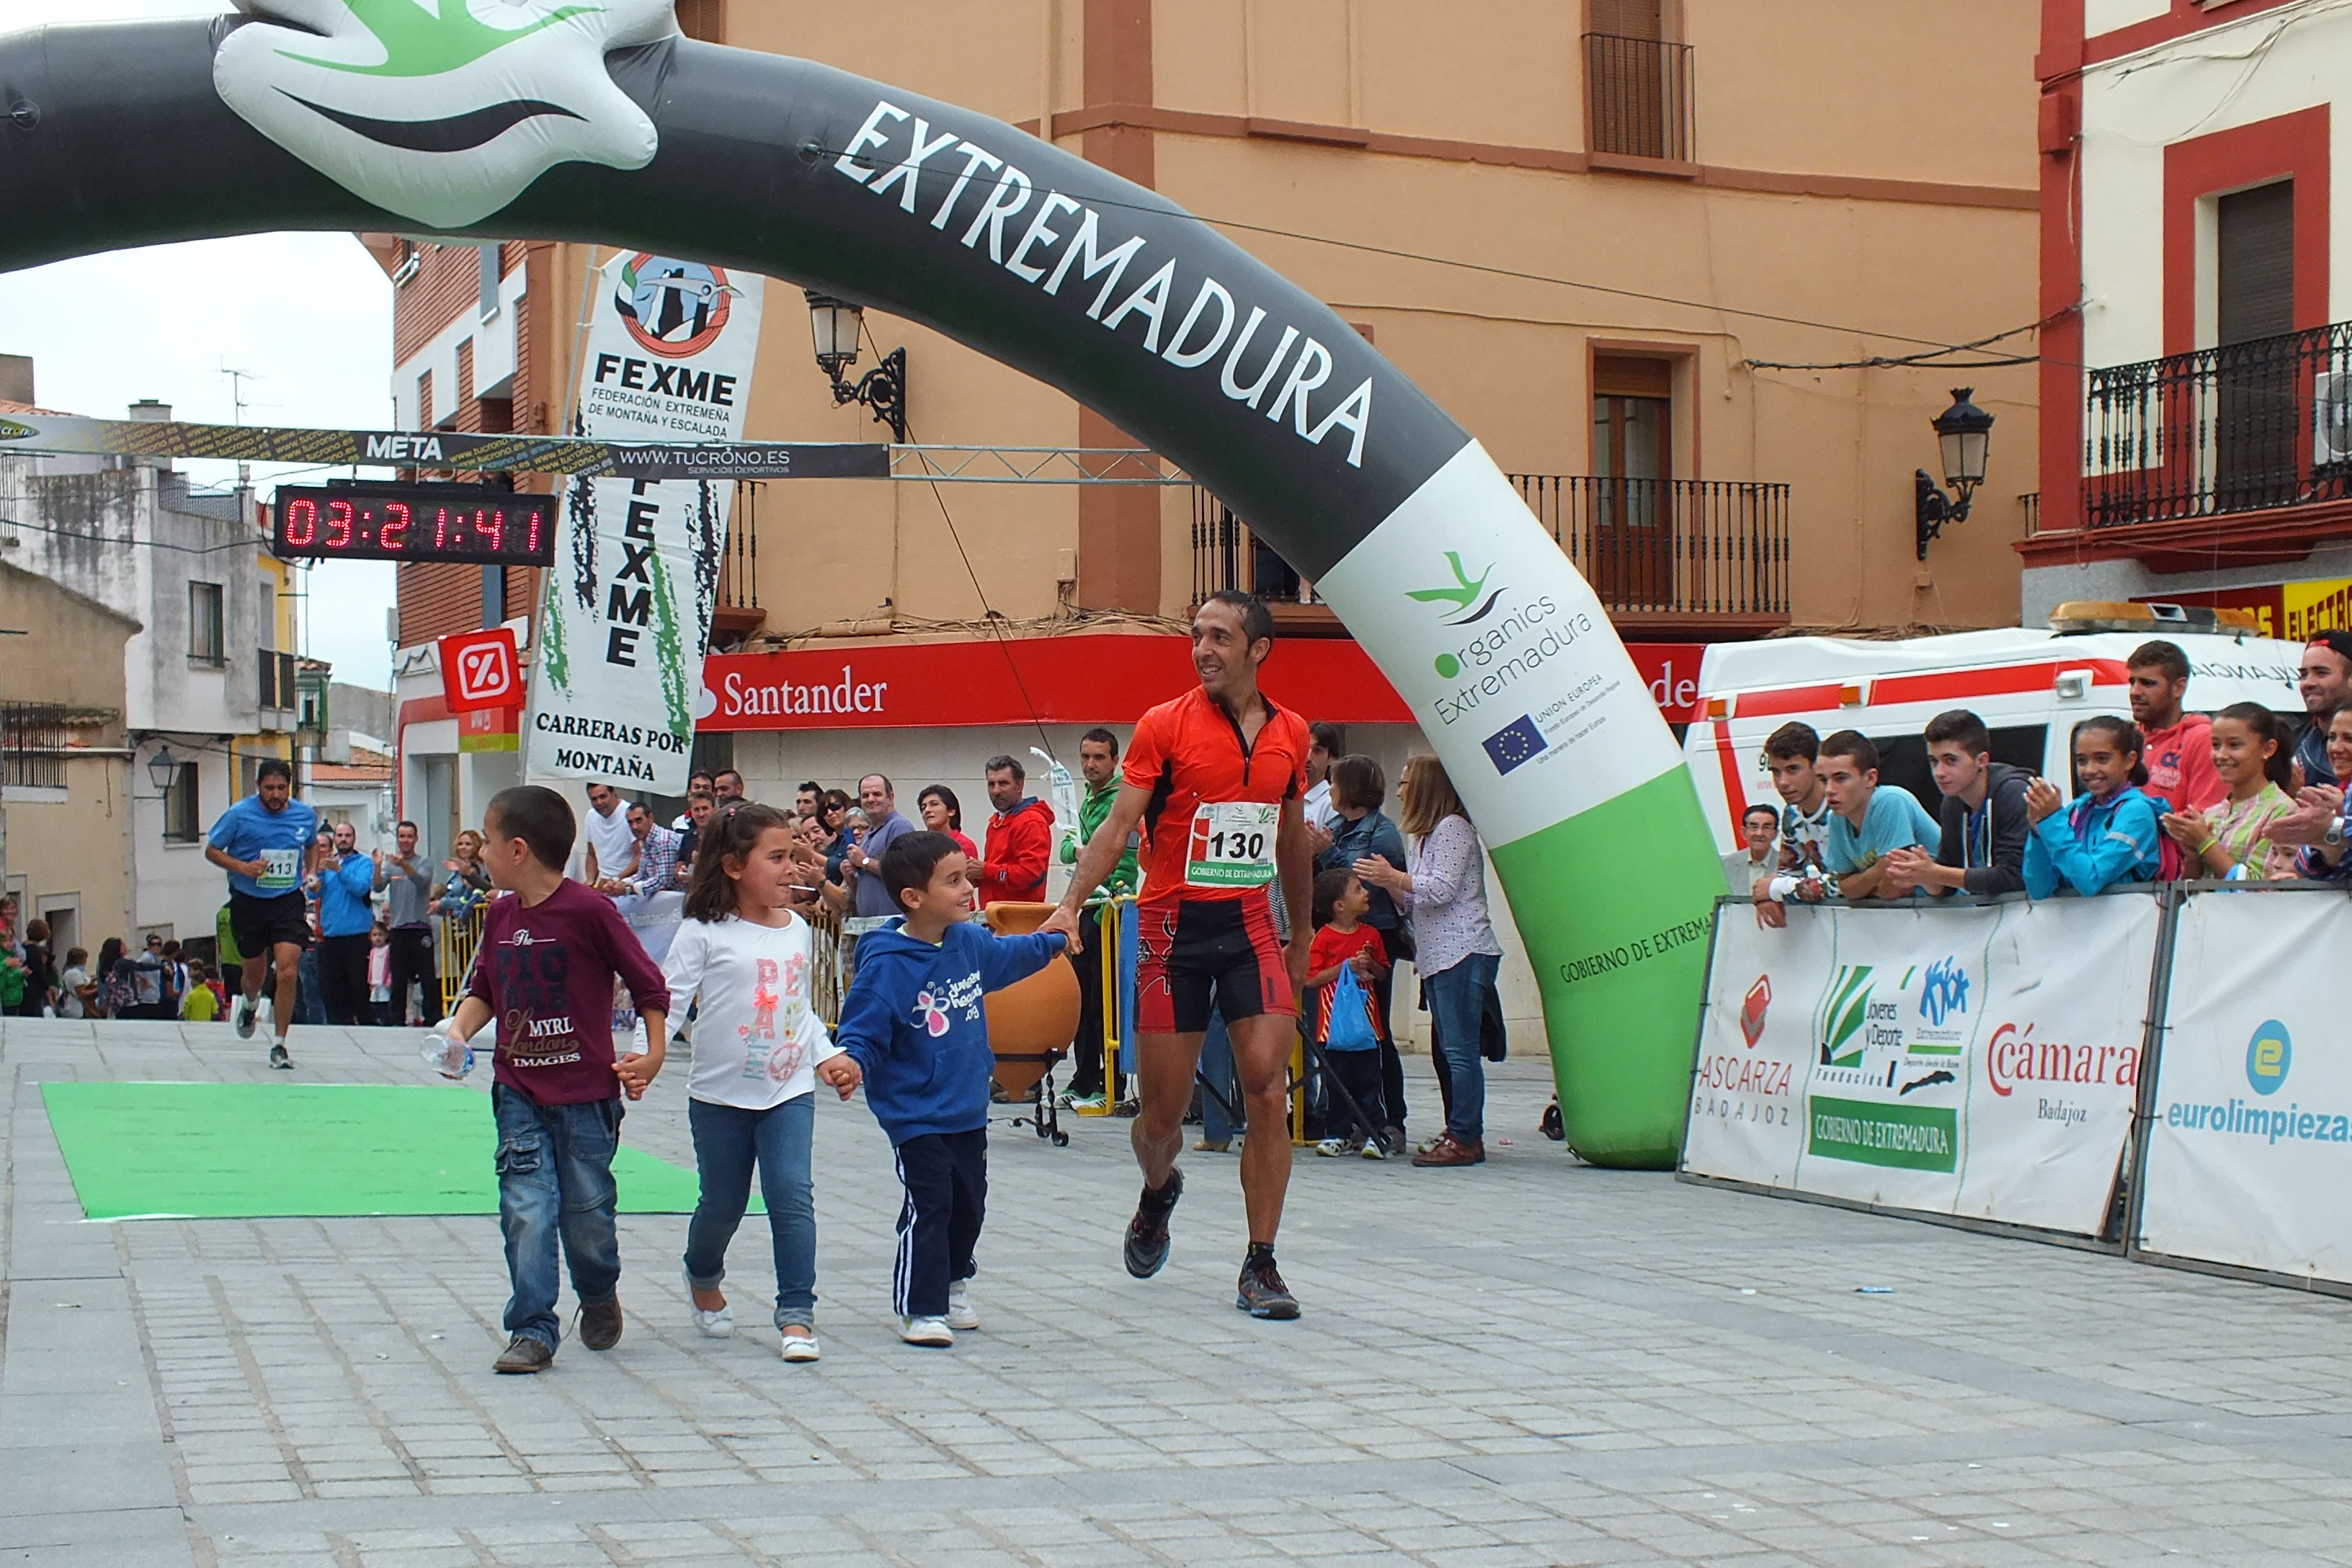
(1530, 1362)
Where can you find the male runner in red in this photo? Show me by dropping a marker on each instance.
(1215, 780)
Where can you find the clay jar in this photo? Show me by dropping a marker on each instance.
(1029, 1024)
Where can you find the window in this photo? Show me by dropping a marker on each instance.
(1903, 759)
(1633, 465)
(184, 817)
(1637, 93)
(488, 305)
(2256, 430)
(206, 641)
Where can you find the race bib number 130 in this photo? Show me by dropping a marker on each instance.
(1232, 844)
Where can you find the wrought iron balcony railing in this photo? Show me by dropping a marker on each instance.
(2246, 427)
(32, 745)
(1637, 97)
(1696, 548)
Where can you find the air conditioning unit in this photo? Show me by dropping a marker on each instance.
(2331, 419)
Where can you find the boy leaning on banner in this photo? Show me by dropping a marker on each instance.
(913, 1025)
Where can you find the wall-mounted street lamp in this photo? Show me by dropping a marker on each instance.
(1963, 433)
(836, 324)
(163, 768)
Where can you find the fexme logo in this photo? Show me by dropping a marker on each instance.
(1028, 252)
(441, 110)
(673, 309)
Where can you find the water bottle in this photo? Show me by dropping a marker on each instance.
(452, 1059)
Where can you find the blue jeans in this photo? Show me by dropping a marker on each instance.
(1217, 1067)
(309, 994)
(1458, 1004)
(555, 1180)
(728, 1140)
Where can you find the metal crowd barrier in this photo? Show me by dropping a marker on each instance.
(455, 940)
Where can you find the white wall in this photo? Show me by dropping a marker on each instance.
(2271, 63)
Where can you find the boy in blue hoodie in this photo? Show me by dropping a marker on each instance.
(914, 1026)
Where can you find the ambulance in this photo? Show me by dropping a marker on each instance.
(2030, 687)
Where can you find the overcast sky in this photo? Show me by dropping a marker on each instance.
(309, 315)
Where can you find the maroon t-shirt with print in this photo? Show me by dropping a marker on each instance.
(546, 972)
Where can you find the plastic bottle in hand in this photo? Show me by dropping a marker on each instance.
(452, 1058)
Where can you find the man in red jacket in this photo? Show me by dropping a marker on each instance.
(1020, 839)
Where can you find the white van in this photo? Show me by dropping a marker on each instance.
(2030, 687)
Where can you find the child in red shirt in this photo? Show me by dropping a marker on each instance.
(1342, 941)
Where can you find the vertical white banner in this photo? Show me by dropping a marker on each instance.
(625, 618)
(1977, 1060)
(2252, 1136)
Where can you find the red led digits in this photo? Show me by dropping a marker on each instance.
(397, 517)
(339, 517)
(302, 524)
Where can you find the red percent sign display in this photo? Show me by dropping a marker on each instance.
(481, 670)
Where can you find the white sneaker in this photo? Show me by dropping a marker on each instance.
(800, 1347)
(1332, 1148)
(933, 1331)
(717, 1325)
(960, 1314)
(1372, 1150)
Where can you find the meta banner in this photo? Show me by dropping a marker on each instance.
(2251, 1125)
(1977, 1060)
(625, 615)
(1100, 679)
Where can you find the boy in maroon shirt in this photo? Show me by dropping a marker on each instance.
(545, 971)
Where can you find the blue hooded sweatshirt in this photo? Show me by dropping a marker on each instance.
(346, 888)
(913, 1023)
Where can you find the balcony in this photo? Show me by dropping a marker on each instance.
(2257, 432)
(1637, 102)
(737, 614)
(1669, 557)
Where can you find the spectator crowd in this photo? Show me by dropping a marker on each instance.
(2165, 795)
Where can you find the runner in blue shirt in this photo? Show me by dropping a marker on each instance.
(263, 842)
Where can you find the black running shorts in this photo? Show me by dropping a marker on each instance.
(1195, 954)
(259, 924)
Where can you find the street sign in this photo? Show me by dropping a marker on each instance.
(481, 670)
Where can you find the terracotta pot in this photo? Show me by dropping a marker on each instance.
(1030, 1024)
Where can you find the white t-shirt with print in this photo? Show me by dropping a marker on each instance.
(68, 995)
(756, 1040)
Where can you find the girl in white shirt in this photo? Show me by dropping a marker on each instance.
(744, 958)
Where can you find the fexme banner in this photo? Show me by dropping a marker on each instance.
(2251, 1142)
(1979, 1060)
(1092, 679)
(625, 618)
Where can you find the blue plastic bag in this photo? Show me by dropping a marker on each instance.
(1352, 1016)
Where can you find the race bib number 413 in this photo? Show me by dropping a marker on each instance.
(280, 869)
(1232, 844)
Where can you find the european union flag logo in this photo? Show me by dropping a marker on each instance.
(1515, 743)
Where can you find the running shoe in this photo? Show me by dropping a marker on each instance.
(1262, 1294)
(716, 1325)
(1334, 1148)
(931, 1331)
(962, 1315)
(1147, 1233)
(279, 1059)
(1372, 1151)
(246, 1009)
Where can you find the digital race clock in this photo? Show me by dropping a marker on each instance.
(361, 522)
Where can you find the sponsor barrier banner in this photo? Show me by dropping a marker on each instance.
(2249, 1141)
(626, 617)
(1976, 1060)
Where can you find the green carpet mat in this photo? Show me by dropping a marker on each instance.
(254, 1151)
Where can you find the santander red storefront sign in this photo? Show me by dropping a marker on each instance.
(1084, 679)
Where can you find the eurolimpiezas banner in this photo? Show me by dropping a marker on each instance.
(624, 619)
(1980, 1060)
(2250, 1136)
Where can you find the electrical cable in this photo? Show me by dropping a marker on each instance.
(1003, 637)
(1486, 268)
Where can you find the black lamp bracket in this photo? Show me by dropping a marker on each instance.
(1935, 508)
(882, 389)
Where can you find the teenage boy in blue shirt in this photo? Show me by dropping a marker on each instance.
(1868, 822)
(915, 1030)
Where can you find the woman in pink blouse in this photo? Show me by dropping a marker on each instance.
(1455, 951)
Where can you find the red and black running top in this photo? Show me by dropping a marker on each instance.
(1189, 753)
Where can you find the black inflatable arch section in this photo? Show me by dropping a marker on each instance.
(117, 136)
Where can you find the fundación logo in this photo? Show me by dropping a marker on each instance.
(442, 111)
(2268, 1056)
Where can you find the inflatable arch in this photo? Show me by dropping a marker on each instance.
(601, 123)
